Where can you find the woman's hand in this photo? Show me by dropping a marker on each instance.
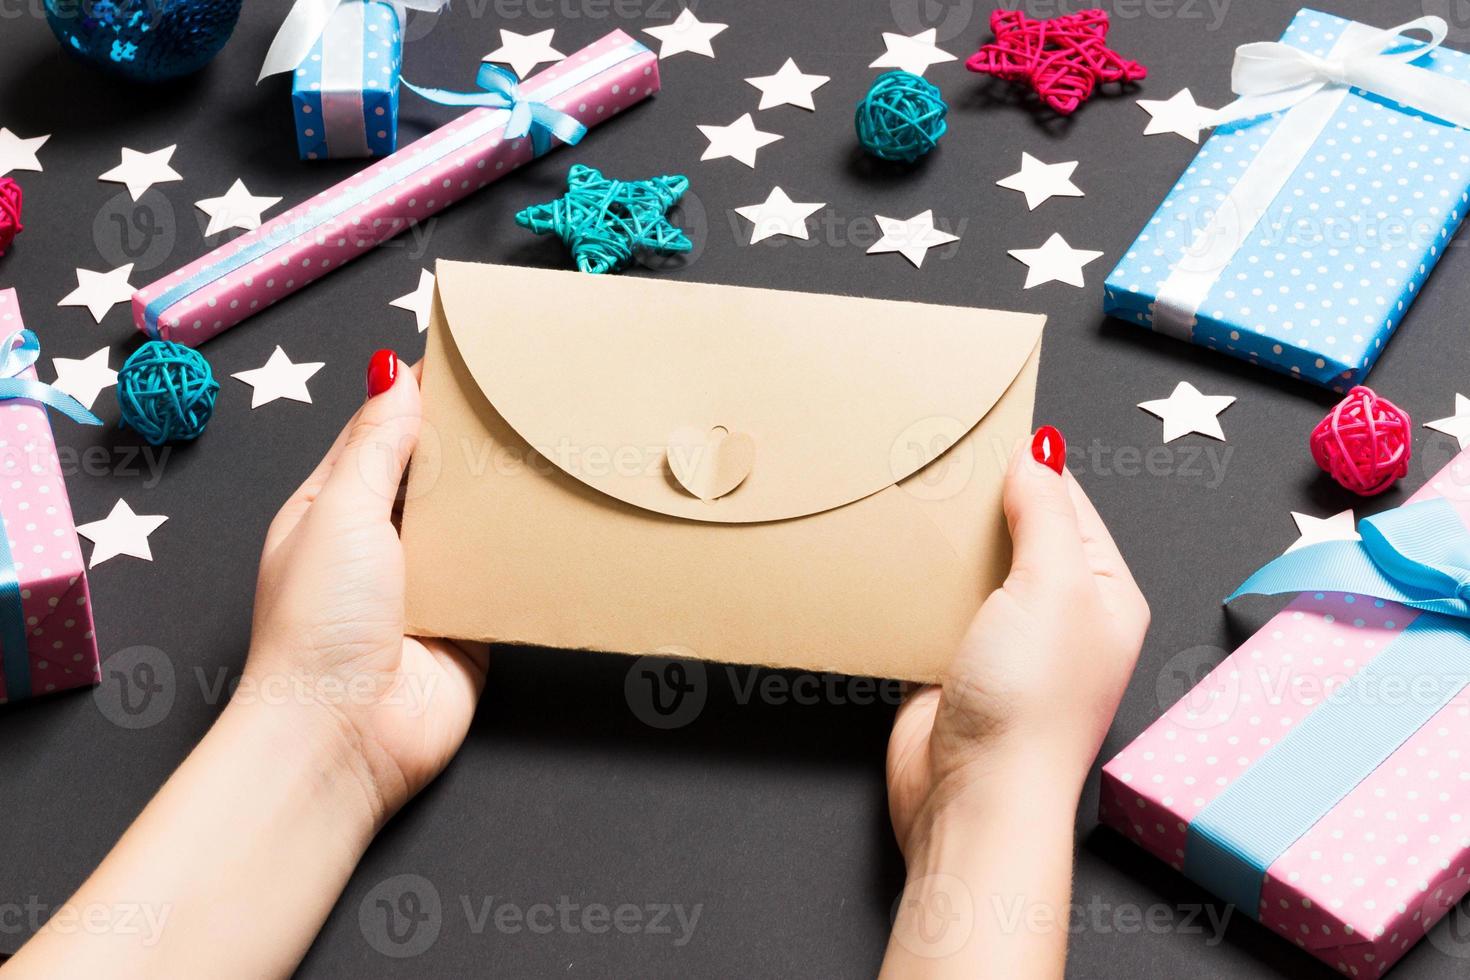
(984, 771)
(329, 623)
(338, 719)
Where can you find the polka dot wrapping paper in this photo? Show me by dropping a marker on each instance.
(1389, 858)
(46, 558)
(298, 246)
(345, 94)
(1316, 287)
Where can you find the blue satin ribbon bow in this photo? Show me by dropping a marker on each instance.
(1418, 556)
(502, 90)
(19, 351)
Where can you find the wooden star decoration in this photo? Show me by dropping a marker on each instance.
(1063, 59)
(606, 222)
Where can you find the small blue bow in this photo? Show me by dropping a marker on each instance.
(1417, 555)
(21, 350)
(501, 90)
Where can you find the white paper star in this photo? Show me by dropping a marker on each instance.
(279, 378)
(524, 52)
(1186, 411)
(778, 215)
(420, 301)
(912, 238)
(1177, 114)
(1457, 425)
(740, 140)
(912, 54)
(120, 533)
(788, 87)
(84, 378)
(99, 291)
(19, 154)
(1315, 530)
(141, 171)
(1039, 181)
(686, 33)
(238, 208)
(1054, 261)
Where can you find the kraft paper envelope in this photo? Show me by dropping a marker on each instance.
(739, 475)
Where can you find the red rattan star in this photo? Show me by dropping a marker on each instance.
(1063, 59)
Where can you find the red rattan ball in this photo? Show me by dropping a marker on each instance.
(10, 225)
(1364, 443)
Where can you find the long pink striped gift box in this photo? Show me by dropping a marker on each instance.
(301, 245)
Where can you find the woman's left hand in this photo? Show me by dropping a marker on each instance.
(337, 720)
(329, 611)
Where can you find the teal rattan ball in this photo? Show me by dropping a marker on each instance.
(901, 117)
(166, 392)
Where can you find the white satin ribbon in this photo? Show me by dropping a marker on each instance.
(1270, 76)
(343, 125)
(305, 22)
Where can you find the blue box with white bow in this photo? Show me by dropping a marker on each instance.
(344, 93)
(1308, 221)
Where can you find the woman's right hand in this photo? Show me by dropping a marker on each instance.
(1005, 742)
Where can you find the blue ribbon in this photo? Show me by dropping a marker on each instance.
(404, 166)
(1417, 555)
(21, 350)
(15, 656)
(502, 90)
(18, 352)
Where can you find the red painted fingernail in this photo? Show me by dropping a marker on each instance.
(1049, 448)
(382, 371)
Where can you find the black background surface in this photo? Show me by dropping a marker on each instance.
(768, 814)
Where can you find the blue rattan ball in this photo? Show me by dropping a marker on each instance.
(901, 117)
(166, 392)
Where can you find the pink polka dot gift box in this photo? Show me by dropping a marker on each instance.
(46, 638)
(1318, 779)
(511, 124)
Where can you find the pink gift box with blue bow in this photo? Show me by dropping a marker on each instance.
(1318, 778)
(47, 642)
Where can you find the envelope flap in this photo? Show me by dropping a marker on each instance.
(828, 398)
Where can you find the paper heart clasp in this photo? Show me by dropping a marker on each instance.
(710, 463)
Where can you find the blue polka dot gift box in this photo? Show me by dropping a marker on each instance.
(1309, 220)
(345, 58)
(345, 94)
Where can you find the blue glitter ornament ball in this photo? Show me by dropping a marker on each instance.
(144, 40)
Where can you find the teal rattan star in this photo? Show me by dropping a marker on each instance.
(606, 222)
